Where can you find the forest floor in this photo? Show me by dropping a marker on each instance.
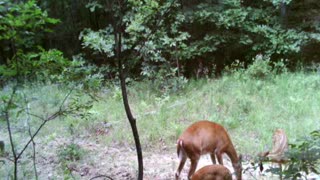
(119, 162)
(249, 109)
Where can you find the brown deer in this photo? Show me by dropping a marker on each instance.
(279, 148)
(205, 137)
(212, 172)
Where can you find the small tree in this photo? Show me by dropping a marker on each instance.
(134, 28)
(20, 27)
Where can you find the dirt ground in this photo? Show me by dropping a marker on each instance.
(120, 163)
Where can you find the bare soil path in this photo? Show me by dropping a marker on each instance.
(120, 163)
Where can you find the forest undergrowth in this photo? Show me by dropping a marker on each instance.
(249, 108)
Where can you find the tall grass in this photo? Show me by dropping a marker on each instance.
(250, 109)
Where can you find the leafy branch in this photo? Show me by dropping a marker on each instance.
(6, 111)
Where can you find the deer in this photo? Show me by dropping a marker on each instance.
(279, 148)
(206, 137)
(212, 172)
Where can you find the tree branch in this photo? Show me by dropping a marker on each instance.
(30, 134)
(7, 117)
(53, 116)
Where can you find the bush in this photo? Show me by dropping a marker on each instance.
(90, 76)
(42, 65)
(68, 155)
(52, 67)
(304, 156)
(70, 152)
(22, 25)
(260, 68)
(165, 79)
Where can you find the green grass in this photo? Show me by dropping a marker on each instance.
(249, 109)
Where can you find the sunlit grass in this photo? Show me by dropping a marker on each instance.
(250, 110)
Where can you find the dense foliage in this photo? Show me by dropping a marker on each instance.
(77, 44)
(189, 38)
(304, 157)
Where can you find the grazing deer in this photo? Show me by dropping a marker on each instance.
(277, 154)
(205, 137)
(212, 172)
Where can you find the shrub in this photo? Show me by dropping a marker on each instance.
(260, 68)
(70, 152)
(90, 76)
(42, 65)
(304, 156)
(165, 79)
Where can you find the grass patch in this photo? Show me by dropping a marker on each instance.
(250, 109)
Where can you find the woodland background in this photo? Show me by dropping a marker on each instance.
(251, 65)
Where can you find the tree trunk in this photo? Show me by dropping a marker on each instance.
(130, 117)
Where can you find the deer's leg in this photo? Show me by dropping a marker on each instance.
(213, 158)
(183, 159)
(280, 168)
(194, 163)
(219, 156)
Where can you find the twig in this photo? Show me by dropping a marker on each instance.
(101, 176)
(53, 116)
(30, 134)
(6, 112)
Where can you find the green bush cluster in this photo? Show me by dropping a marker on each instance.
(261, 68)
(68, 155)
(70, 152)
(166, 81)
(304, 157)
